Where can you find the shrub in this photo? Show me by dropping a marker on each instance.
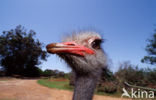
(107, 87)
(47, 73)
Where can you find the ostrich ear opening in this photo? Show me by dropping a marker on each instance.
(68, 47)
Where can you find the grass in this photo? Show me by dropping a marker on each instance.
(65, 86)
(116, 94)
(55, 84)
(51, 83)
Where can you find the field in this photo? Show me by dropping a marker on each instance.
(29, 89)
(64, 84)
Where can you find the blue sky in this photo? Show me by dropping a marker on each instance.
(125, 24)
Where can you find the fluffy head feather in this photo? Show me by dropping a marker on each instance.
(88, 63)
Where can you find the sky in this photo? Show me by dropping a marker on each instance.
(124, 24)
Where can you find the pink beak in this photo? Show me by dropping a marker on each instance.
(68, 47)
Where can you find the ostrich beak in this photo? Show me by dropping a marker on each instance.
(68, 47)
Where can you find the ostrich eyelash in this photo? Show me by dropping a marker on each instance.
(102, 40)
(99, 40)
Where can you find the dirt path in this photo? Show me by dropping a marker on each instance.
(18, 89)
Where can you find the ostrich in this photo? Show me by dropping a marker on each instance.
(83, 53)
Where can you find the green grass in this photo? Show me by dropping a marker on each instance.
(55, 84)
(116, 94)
(65, 86)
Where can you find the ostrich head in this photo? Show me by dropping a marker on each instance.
(82, 52)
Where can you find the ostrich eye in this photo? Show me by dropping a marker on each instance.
(96, 44)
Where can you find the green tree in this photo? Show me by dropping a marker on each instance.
(21, 52)
(151, 50)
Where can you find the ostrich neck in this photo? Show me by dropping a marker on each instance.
(84, 87)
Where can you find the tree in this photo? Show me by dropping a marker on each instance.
(131, 74)
(135, 75)
(151, 50)
(21, 52)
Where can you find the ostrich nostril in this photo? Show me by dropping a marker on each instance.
(71, 44)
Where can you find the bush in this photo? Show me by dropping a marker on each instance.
(108, 87)
(33, 72)
(47, 73)
(131, 74)
(2, 73)
(151, 78)
(54, 73)
(67, 75)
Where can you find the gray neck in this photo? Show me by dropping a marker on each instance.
(84, 87)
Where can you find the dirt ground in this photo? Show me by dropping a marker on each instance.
(26, 89)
